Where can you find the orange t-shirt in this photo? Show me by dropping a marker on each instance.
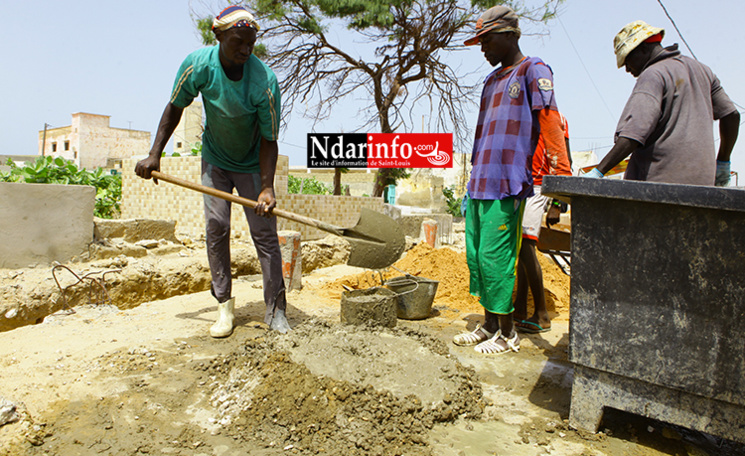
(551, 155)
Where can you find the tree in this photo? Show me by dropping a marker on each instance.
(337, 179)
(393, 62)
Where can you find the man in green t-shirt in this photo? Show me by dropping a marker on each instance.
(239, 151)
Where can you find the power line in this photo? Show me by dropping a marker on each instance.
(585, 67)
(292, 145)
(684, 40)
(677, 29)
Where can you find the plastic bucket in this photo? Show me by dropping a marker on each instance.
(415, 296)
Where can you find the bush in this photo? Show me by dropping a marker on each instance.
(196, 150)
(57, 170)
(308, 186)
(453, 202)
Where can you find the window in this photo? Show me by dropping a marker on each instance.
(54, 147)
(67, 145)
(178, 145)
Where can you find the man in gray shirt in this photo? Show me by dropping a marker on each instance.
(667, 124)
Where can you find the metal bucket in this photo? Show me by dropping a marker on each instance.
(414, 295)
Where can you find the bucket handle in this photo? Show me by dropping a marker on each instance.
(408, 291)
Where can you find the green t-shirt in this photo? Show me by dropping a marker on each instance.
(238, 113)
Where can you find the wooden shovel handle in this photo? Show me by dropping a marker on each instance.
(246, 202)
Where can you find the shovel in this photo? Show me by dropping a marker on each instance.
(376, 240)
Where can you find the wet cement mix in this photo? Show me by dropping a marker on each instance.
(323, 389)
(450, 269)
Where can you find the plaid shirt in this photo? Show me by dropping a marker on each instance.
(507, 130)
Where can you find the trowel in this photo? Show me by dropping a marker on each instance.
(376, 240)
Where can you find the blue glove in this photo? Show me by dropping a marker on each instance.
(593, 173)
(723, 171)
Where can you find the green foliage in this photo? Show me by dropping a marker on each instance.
(307, 186)
(363, 14)
(57, 170)
(196, 150)
(453, 202)
(260, 50)
(392, 175)
(310, 25)
(108, 194)
(204, 26)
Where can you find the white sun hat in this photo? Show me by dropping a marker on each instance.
(631, 36)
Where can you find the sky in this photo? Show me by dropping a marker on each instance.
(119, 58)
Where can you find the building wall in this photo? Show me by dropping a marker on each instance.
(143, 199)
(99, 142)
(189, 130)
(91, 143)
(58, 142)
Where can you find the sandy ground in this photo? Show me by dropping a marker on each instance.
(150, 380)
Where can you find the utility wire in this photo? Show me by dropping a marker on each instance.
(585, 67)
(684, 40)
(677, 29)
(291, 145)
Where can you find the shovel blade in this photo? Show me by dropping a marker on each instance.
(377, 241)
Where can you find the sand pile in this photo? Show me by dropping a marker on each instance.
(450, 269)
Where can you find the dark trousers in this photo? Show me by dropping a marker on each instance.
(263, 232)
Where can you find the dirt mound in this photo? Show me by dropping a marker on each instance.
(450, 269)
(381, 394)
(321, 389)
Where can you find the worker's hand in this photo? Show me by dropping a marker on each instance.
(266, 203)
(145, 167)
(553, 215)
(593, 173)
(723, 173)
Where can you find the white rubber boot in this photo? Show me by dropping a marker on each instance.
(223, 327)
(279, 322)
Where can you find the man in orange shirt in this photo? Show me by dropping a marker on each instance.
(548, 159)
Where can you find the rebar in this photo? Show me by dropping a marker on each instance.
(93, 282)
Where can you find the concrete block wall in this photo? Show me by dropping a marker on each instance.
(42, 223)
(142, 199)
(342, 211)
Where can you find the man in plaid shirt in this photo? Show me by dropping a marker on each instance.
(517, 106)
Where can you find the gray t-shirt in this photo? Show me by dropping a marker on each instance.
(671, 114)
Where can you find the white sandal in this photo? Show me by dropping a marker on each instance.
(474, 337)
(499, 344)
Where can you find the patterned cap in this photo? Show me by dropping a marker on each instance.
(631, 36)
(234, 16)
(498, 19)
